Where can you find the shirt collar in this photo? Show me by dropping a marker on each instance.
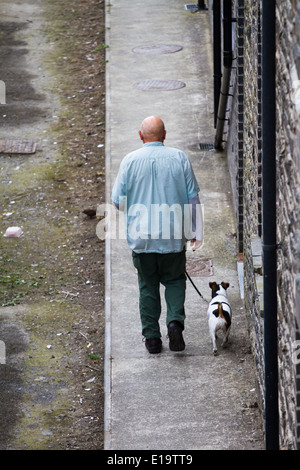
(148, 144)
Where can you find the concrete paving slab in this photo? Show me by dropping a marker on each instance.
(189, 400)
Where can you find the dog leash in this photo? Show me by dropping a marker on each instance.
(197, 290)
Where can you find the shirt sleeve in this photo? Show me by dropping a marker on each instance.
(119, 187)
(197, 218)
(190, 178)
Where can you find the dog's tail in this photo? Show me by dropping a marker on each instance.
(225, 315)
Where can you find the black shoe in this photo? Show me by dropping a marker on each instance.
(176, 341)
(153, 345)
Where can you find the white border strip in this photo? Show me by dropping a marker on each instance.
(107, 353)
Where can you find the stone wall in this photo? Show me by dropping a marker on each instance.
(288, 183)
(245, 138)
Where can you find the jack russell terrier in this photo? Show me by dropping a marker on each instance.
(219, 313)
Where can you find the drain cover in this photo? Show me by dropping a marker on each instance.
(199, 267)
(157, 49)
(203, 146)
(196, 7)
(17, 146)
(159, 85)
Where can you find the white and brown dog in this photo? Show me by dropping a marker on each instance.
(219, 313)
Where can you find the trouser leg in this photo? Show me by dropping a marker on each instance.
(172, 276)
(149, 295)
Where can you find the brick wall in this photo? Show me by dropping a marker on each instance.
(244, 158)
(244, 150)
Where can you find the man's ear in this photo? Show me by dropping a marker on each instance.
(141, 135)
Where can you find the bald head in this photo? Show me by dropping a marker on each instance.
(152, 130)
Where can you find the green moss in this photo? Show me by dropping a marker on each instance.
(47, 402)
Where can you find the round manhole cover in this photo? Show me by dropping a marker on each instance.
(157, 49)
(159, 85)
(199, 267)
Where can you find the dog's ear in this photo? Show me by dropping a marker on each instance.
(225, 285)
(212, 285)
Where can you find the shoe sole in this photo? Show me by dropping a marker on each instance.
(154, 350)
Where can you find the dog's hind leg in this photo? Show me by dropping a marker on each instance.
(214, 341)
(225, 340)
(212, 334)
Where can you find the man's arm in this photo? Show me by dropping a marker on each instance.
(119, 187)
(197, 222)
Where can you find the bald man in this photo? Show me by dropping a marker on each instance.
(152, 130)
(158, 191)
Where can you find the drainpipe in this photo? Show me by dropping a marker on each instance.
(227, 64)
(217, 55)
(269, 222)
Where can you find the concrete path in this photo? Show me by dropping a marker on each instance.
(189, 400)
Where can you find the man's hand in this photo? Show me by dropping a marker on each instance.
(195, 244)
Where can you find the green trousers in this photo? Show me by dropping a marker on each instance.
(155, 269)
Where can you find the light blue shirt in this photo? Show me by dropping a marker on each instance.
(153, 188)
